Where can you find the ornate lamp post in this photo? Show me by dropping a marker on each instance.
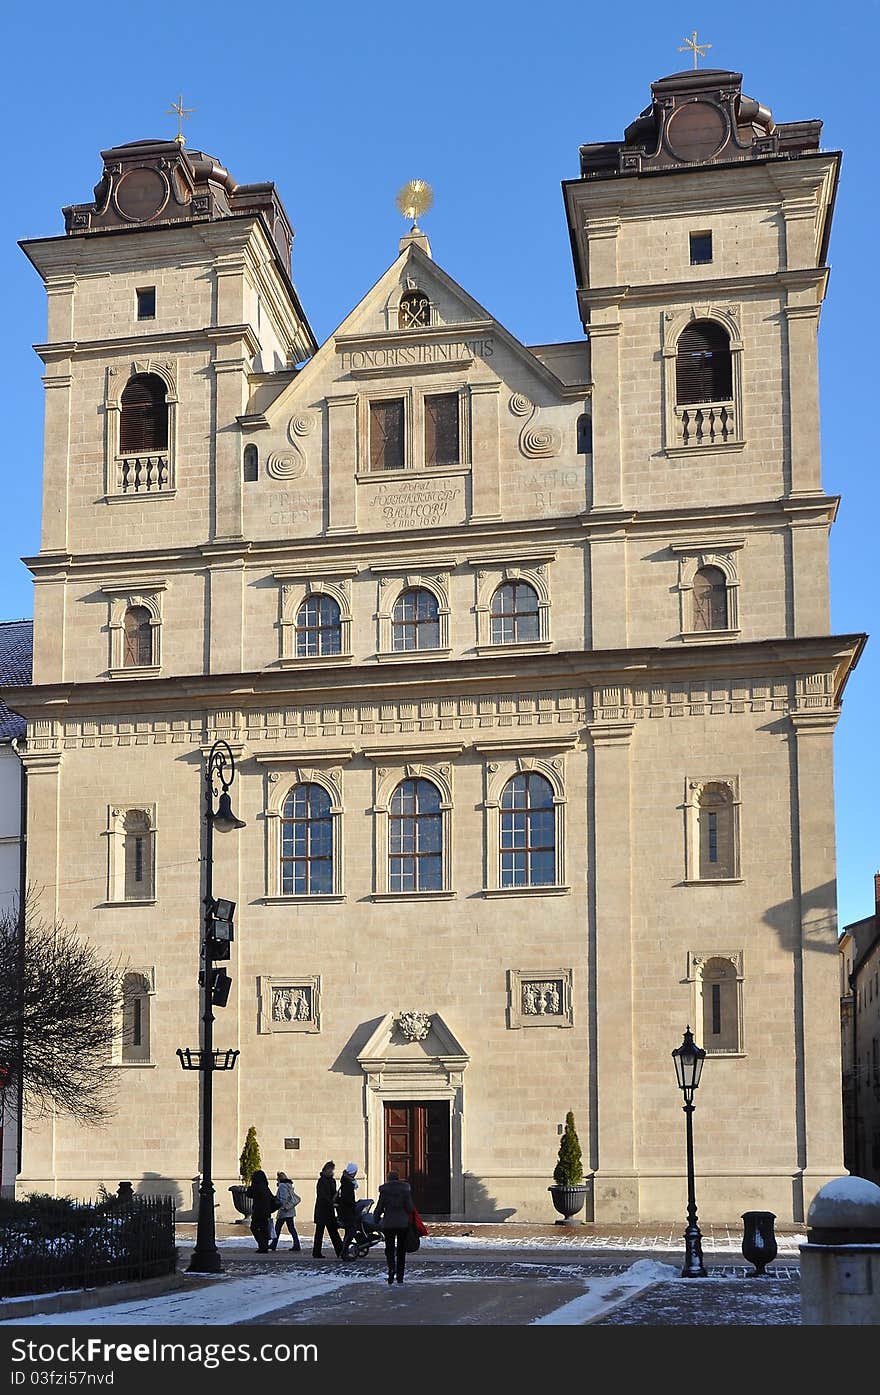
(219, 773)
(689, 1060)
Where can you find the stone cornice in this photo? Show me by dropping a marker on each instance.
(415, 550)
(713, 288)
(833, 655)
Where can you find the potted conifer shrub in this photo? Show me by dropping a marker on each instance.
(568, 1190)
(249, 1163)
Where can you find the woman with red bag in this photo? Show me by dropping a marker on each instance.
(392, 1214)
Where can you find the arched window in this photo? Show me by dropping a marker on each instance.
(135, 1018)
(251, 464)
(415, 837)
(514, 617)
(138, 855)
(717, 841)
(710, 599)
(318, 627)
(720, 994)
(137, 647)
(143, 423)
(307, 842)
(414, 311)
(528, 832)
(415, 620)
(703, 366)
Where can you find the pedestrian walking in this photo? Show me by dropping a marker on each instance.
(286, 1213)
(391, 1213)
(346, 1208)
(325, 1212)
(264, 1203)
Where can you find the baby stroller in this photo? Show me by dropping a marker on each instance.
(367, 1234)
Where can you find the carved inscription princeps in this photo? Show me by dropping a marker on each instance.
(420, 502)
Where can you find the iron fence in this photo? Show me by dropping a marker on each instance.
(49, 1243)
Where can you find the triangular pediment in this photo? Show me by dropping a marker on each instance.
(461, 335)
(412, 1038)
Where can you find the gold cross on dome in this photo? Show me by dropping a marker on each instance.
(698, 50)
(183, 114)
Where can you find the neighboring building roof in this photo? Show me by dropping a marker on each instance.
(16, 654)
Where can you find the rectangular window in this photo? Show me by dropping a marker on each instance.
(716, 1009)
(441, 429)
(146, 303)
(701, 248)
(713, 837)
(386, 435)
(137, 1026)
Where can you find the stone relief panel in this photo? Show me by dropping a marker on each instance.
(539, 998)
(535, 442)
(290, 1003)
(424, 501)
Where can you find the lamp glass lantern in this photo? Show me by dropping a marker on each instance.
(688, 1059)
(223, 818)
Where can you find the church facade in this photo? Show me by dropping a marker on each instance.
(523, 656)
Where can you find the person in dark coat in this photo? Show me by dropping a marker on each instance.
(391, 1214)
(325, 1212)
(346, 1208)
(264, 1203)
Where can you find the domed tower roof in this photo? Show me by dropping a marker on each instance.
(698, 117)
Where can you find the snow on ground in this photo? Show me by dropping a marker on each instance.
(604, 1295)
(787, 1244)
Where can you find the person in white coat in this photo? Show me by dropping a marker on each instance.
(286, 1213)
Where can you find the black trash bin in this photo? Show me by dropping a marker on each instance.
(759, 1242)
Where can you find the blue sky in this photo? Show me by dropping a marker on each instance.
(340, 104)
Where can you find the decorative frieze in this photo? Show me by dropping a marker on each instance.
(289, 1003)
(539, 998)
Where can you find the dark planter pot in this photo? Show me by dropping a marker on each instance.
(759, 1242)
(568, 1201)
(241, 1201)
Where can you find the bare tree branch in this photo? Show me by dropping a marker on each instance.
(60, 1011)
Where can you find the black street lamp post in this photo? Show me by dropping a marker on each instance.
(220, 769)
(689, 1060)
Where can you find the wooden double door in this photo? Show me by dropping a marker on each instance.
(417, 1147)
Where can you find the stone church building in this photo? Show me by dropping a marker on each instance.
(523, 655)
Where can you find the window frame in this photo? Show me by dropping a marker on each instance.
(121, 1054)
(414, 428)
(115, 834)
(694, 788)
(497, 772)
(121, 484)
(144, 291)
(388, 777)
(295, 589)
(146, 594)
(492, 573)
(693, 555)
(694, 234)
(697, 963)
(390, 589)
(281, 779)
(728, 318)
(309, 857)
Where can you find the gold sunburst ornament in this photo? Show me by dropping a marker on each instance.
(414, 199)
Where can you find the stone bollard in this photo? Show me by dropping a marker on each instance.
(840, 1263)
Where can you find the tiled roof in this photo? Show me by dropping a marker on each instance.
(16, 652)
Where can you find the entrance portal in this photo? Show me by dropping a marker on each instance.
(417, 1146)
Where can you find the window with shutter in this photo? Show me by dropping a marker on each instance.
(143, 423)
(441, 429)
(138, 638)
(710, 599)
(703, 365)
(386, 435)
